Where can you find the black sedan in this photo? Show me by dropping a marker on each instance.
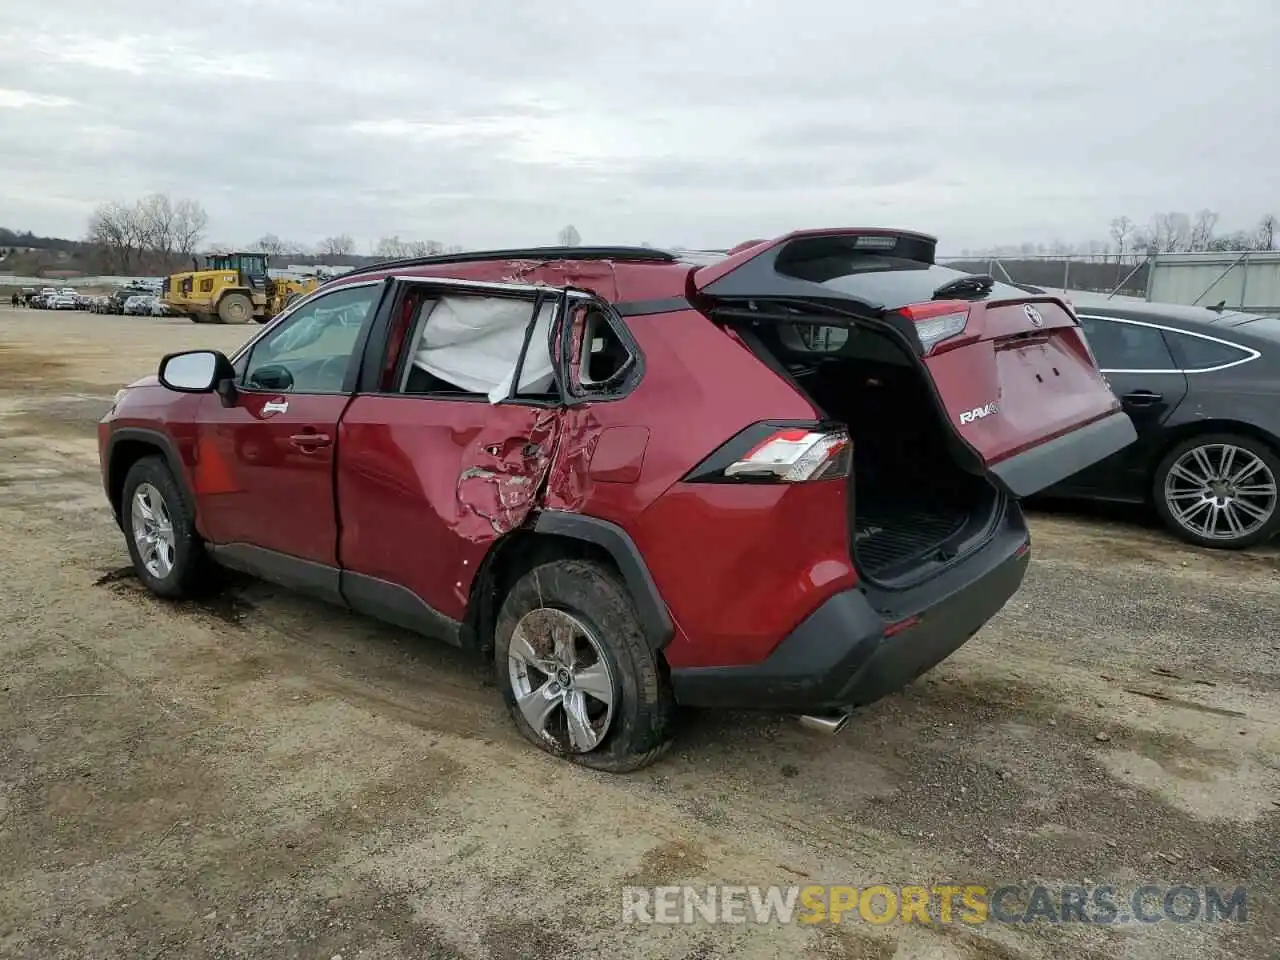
(1202, 387)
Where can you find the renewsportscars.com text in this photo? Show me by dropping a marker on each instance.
(967, 904)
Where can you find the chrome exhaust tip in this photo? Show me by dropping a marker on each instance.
(830, 724)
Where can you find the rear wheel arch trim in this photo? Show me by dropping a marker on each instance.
(617, 543)
(164, 446)
(1181, 433)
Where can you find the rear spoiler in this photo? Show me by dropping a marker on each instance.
(752, 271)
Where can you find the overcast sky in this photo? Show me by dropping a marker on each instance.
(697, 122)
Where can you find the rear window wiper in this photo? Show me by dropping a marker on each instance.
(978, 285)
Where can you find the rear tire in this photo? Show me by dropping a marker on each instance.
(576, 671)
(235, 308)
(1219, 490)
(159, 528)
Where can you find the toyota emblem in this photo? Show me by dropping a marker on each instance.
(1033, 315)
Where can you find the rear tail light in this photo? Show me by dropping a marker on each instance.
(795, 455)
(938, 321)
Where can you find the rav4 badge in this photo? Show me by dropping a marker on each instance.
(977, 413)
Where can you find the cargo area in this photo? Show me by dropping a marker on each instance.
(914, 508)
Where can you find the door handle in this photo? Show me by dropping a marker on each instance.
(1142, 398)
(310, 441)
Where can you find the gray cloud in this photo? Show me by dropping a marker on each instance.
(496, 123)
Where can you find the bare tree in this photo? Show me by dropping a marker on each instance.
(424, 248)
(1170, 232)
(269, 244)
(1202, 230)
(189, 222)
(391, 248)
(150, 234)
(273, 246)
(569, 236)
(156, 216)
(1121, 231)
(1265, 235)
(114, 228)
(1227, 242)
(338, 246)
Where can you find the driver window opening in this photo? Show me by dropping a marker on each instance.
(311, 351)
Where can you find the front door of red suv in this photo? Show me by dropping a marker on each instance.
(264, 471)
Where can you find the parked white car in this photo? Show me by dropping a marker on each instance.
(63, 302)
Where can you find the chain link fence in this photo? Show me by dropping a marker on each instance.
(1125, 277)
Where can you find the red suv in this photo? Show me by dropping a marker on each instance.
(784, 477)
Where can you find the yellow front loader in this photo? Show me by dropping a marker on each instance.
(232, 288)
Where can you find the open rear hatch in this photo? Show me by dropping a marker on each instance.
(1011, 373)
(956, 389)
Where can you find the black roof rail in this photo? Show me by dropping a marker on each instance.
(634, 254)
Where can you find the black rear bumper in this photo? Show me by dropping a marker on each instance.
(863, 643)
(1042, 466)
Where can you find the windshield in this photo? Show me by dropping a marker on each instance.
(887, 281)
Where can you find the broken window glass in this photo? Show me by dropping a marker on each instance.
(474, 343)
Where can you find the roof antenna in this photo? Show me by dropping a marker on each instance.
(1217, 307)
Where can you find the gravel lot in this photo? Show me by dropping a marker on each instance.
(263, 776)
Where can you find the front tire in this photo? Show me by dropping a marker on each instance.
(576, 671)
(1219, 490)
(159, 527)
(235, 308)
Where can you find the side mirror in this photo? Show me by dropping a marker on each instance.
(195, 371)
(272, 376)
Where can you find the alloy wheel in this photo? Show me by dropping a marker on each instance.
(1220, 491)
(561, 680)
(153, 531)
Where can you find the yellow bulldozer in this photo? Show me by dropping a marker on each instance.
(232, 288)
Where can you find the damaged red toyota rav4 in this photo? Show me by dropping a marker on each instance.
(786, 477)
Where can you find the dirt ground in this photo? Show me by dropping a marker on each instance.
(263, 776)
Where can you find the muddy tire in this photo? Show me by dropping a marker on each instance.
(235, 308)
(576, 671)
(1219, 490)
(159, 528)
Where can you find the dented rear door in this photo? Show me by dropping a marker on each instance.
(426, 483)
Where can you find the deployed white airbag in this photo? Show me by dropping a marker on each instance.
(475, 342)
